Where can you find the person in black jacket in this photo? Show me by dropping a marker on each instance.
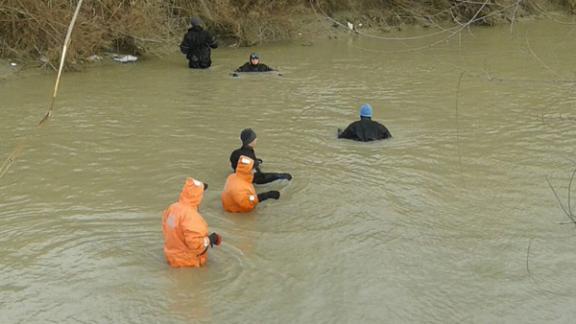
(254, 65)
(196, 45)
(248, 138)
(365, 129)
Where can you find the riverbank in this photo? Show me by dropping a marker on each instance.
(33, 31)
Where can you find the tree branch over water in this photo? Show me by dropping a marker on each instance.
(567, 212)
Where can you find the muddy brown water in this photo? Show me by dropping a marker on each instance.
(451, 221)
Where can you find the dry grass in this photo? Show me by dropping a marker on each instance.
(36, 28)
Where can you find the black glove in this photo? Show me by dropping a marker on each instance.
(259, 161)
(268, 195)
(339, 132)
(215, 239)
(205, 186)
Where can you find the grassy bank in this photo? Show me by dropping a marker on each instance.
(35, 29)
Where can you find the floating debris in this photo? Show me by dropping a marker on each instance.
(350, 25)
(94, 58)
(125, 58)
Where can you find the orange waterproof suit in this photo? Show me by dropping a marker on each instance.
(185, 231)
(239, 195)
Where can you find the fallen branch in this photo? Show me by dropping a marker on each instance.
(568, 214)
(528, 258)
(458, 120)
(538, 58)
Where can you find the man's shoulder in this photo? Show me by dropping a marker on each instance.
(243, 67)
(370, 122)
(356, 123)
(247, 150)
(242, 151)
(207, 33)
(378, 123)
(236, 152)
(264, 67)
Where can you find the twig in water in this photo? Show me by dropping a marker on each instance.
(571, 160)
(560, 202)
(514, 15)
(318, 12)
(458, 120)
(569, 189)
(547, 14)
(528, 259)
(538, 58)
(11, 159)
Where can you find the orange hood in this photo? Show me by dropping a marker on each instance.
(244, 168)
(239, 195)
(192, 193)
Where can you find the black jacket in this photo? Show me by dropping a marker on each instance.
(246, 151)
(248, 67)
(365, 130)
(197, 43)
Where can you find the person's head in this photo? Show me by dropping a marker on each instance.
(366, 111)
(196, 21)
(248, 137)
(254, 59)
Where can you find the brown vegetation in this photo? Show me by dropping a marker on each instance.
(36, 28)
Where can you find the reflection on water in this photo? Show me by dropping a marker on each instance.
(431, 226)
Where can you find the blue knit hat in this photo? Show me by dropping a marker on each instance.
(366, 111)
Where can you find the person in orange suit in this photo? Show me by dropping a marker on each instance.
(186, 239)
(239, 195)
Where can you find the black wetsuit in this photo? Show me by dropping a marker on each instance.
(259, 176)
(365, 130)
(249, 67)
(196, 45)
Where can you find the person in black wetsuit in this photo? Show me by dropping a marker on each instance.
(365, 129)
(248, 137)
(196, 45)
(254, 65)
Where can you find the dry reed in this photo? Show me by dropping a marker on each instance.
(35, 28)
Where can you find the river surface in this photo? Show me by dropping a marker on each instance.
(451, 221)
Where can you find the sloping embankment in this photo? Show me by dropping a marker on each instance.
(32, 29)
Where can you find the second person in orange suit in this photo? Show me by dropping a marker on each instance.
(239, 195)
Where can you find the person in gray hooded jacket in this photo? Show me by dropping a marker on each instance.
(197, 45)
